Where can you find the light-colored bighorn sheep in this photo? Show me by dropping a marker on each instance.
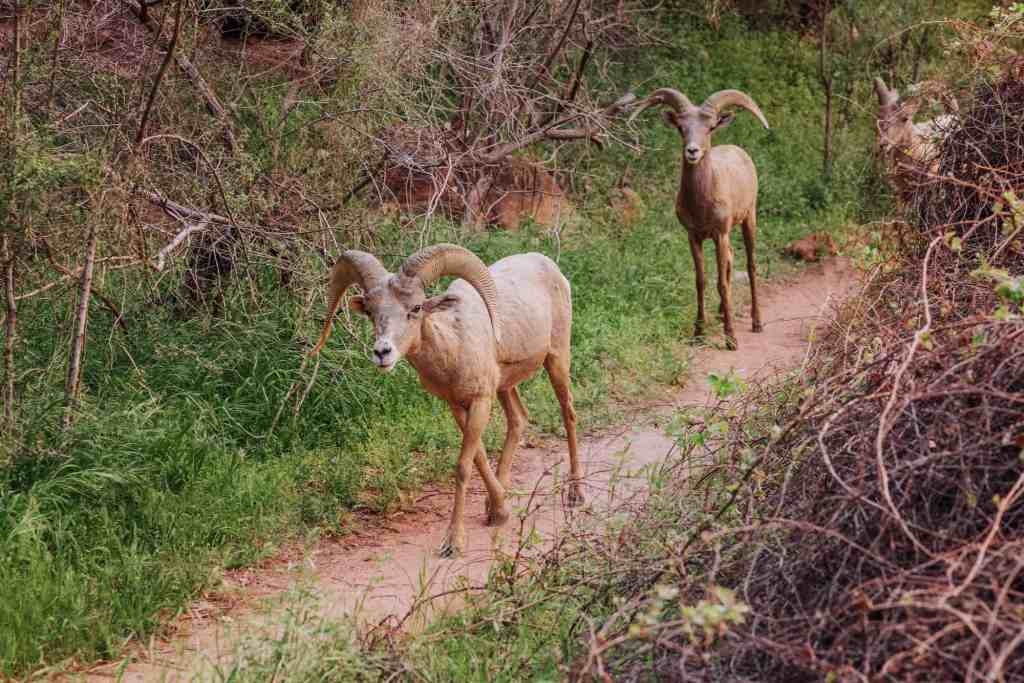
(717, 190)
(490, 331)
(909, 149)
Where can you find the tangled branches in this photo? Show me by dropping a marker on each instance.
(494, 78)
(906, 552)
(879, 534)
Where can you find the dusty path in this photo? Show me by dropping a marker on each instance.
(395, 569)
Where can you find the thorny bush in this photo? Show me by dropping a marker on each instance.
(878, 532)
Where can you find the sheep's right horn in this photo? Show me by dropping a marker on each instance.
(662, 96)
(885, 96)
(353, 268)
(735, 98)
(431, 263)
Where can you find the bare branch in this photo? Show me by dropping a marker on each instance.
(72, 384)
(213, 104)
(161, 257)
(160, 74)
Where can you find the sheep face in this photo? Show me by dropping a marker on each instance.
(397, 308)
(695, 125)
(895, 126)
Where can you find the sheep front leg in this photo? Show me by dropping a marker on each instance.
(472, 421)
(698, 271)
(723, 252)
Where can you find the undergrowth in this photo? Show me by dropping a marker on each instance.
(185, 455)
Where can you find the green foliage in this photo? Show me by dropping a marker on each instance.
(1008, 289)
(725, 385)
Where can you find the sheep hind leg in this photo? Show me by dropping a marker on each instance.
(515, 419)
(557, 366)
(697, 251)
(750, 240)
(723, 252)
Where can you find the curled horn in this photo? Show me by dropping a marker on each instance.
(734, 98)
(885, 96)
(353, 268)
(662, 96)
(431, 263)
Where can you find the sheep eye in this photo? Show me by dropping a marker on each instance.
(415, 310)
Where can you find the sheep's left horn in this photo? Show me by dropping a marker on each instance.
(431, 263)
(734, 98)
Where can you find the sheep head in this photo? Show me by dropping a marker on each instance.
(696, 124)
(895, 119)
(397, 303)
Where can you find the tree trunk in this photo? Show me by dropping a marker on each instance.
(10, 330)
(827, 85)
(160, 75)
(72, 384)
(210, 99)
(9, 239)
(474, 218)
(54, 56)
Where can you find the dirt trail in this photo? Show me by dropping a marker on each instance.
(385, 574)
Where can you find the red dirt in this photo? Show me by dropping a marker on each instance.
(381, 573)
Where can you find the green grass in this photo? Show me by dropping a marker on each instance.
(172, 470)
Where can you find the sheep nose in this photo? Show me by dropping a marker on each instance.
(382, 351)
(692, 149)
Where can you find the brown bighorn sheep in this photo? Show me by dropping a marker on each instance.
(490, 331)
(909, 148)
(717, 190)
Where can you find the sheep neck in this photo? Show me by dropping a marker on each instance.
(696, 185)
(432, 354)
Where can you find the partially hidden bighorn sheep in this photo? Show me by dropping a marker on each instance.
(717, 190)
(909, 149)
(488, 332)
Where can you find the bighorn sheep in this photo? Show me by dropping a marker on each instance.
(909, 148)
(487, 333)
(717, 190)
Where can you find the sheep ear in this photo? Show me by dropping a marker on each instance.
(442, 302)
(724, 120)
(357, 304)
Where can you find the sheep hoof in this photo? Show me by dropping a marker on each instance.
(730, 342)
(574, 497)
(497, 517)
(450, 549)
(758, 327)
(698, 331)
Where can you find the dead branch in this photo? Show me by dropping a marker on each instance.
(213, 104)
(8, 242)
(10, 328)
(71, 386)
(160, 74)
(161, 256)
(554, 132)
(68, 274)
